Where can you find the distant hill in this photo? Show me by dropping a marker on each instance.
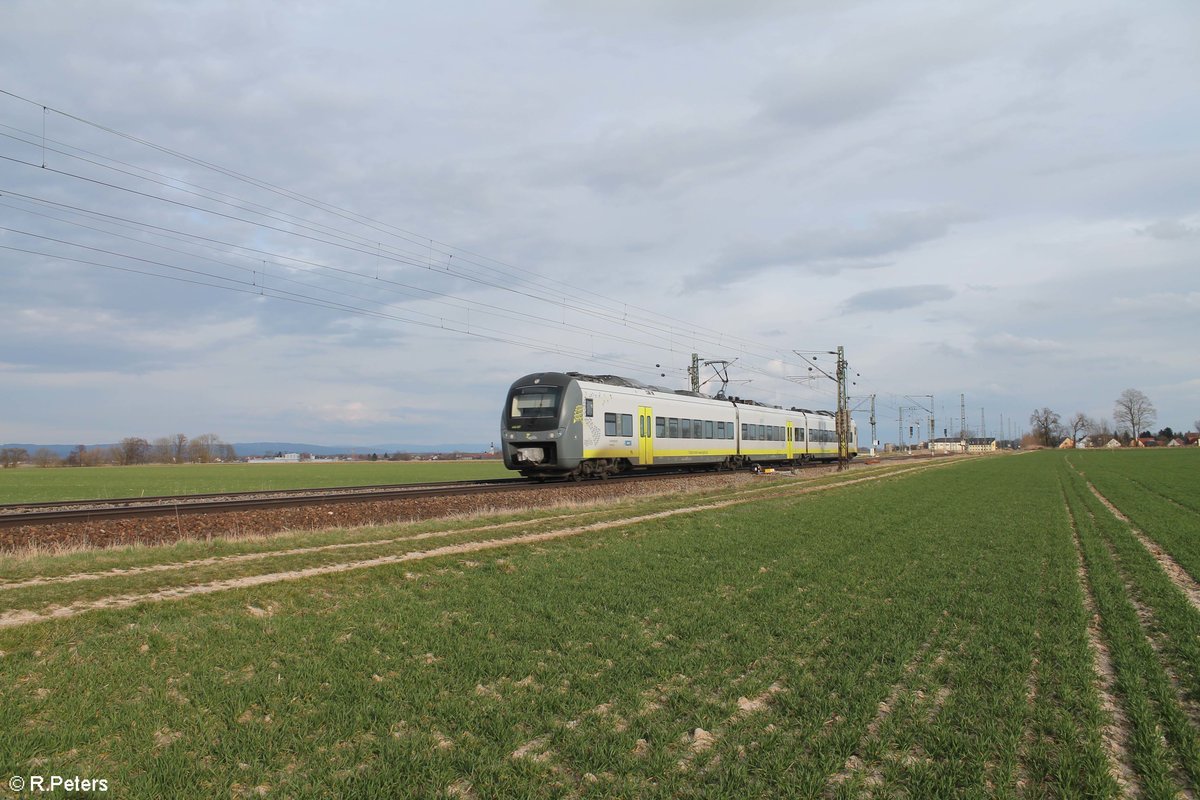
(245, 449)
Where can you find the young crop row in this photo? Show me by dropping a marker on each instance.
(1157, 492)
(924, 635)
(1150, 629)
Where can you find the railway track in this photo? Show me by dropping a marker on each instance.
(50, 513)
(22, 514)
(32, 516)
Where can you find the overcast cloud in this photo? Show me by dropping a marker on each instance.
(359, 223)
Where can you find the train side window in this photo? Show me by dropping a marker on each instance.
(729, 430)
(720, 430)
(762, 432)
(660, 427)
(673, 427)
(587, 407)
(627, 424)
(610, 424)
(685, 431)
(708, 429)
(745, 431)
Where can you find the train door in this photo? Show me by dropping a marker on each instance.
(645, 436)
(789, 440)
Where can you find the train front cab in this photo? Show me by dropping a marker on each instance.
(541, 425)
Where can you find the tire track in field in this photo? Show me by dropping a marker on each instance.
(1150, 629)
(1117, 734)
(120, 572)
(1179, 576)
(12, 619)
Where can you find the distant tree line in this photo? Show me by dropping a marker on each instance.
(1133, 418)
(206, 448)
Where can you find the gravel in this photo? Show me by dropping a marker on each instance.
(112, 532)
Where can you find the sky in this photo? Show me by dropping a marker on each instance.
(359, 223)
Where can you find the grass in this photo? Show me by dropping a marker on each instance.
(1163, 740)
(83, 483)
(920, 635)
(1156, 489)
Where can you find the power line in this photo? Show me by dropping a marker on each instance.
(579, 302)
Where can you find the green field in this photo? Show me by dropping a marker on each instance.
(975, 628)
(30, 485)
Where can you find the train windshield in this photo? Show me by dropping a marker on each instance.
(534, 406)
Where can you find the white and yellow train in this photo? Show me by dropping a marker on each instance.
(571, 425)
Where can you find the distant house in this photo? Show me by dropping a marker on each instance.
(1113, 444)
(1191, 438)
(985, 444)
(1176, 442)
(1147, 441)
(948, 444)
(1067, 444)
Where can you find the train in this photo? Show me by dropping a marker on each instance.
(575, 426)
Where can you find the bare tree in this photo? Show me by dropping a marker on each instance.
(76, 457)
(1080, 423)
(206, 448)
(1045, 424)
(1135, 410)
(180, 445)
(161, 450)
(95, 457)
(45, 457)
(132, 450)
(11, 456)
(1100, 431)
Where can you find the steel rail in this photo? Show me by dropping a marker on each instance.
(187, 505)
(103, 502)
(36, 514)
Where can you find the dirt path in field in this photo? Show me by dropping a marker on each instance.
(118, 572)
(12, 619)
(1117, 734)
(25, 617)
(242, 557)
(1179, 576)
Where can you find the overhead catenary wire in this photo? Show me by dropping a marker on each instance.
(664, 333)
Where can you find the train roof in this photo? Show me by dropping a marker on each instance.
(617, 380)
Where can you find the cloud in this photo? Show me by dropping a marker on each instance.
(896, 298)
(1010, 344)
(1170, 229)
(591, 153)
(831, 250)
